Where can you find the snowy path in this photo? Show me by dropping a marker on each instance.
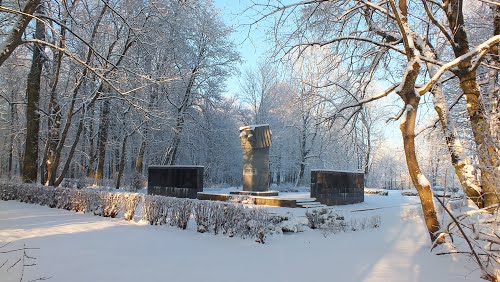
(81, 247)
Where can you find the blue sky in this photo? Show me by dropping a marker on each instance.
(251, 42)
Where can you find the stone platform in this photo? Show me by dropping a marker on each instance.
(275, 201)
(255, 193)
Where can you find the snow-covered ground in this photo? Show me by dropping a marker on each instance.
(82, 247)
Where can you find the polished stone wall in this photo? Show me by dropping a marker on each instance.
(175, 181)
(332, 188)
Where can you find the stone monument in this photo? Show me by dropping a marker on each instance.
(255, 142)
(181, 181)
(332, 187)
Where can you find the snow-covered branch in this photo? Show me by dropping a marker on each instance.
(477, 53)
(364, 101)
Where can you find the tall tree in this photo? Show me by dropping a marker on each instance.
(207, 57)
(30, 161)
(488, 151)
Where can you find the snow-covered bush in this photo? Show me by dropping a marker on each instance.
(233, 220)
(287, 223)
(333, 223)
(363, 223)
(8, 191)
(29, 194)
(329, 222)
(409, 193)
(48, 198)
(130, 203)
(233, 216)
(110, 204)
(155, 210)
(217, 217)
(380, 192)
(411, 212)
(181, 212)
(375, 221)
(318, 217)
(85, 201)
(64, 198)
(257, 225)
(242, 199)
(202, 215)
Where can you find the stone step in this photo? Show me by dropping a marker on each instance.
(255, 193)
(311, 205)
(305, 200)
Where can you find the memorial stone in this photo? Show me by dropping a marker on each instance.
(175, 181)
(255, 142)
(332, 187)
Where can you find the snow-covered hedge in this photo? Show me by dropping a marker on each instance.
(100, 203)
(220, 218)
(444, 194)
(231, 219)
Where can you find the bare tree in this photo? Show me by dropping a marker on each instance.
(209, 56)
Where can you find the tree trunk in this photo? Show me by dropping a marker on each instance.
(368, 150)
(487, 153)
(153, 95)
(30, 161)
(461, 163)
(278, 171)
(420, 182)
(71, 151)
(91, 169)
(411, 100)
(90, 104)
(55, 116)
(493, 90)
(486, 144)
(122, 162)
(11, 137)
(302, 164)
(139, 162)
(102, 139)
(173, 148)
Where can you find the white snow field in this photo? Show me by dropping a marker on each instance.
(82, 247)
